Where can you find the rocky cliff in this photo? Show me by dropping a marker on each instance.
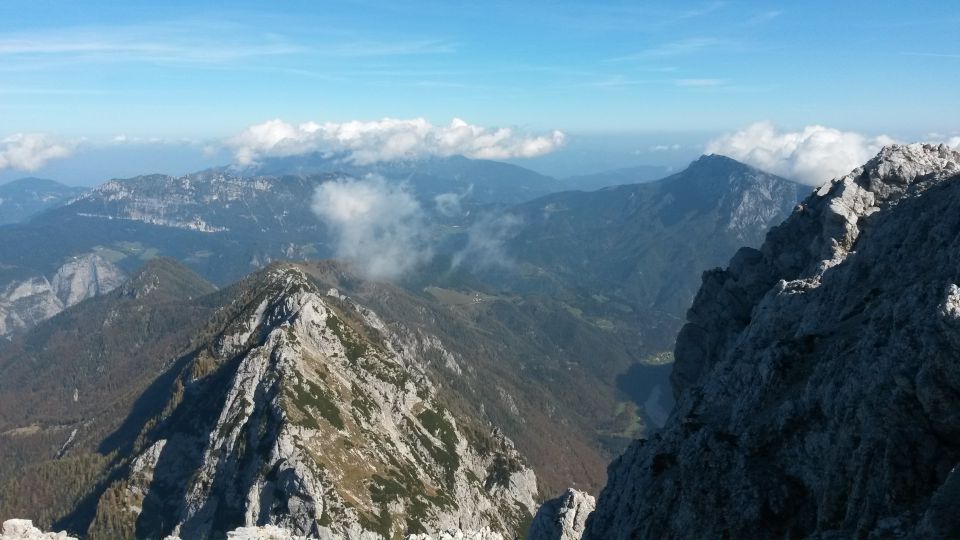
(23, 529)
(25, 302)
(563, 518)
(305, 411)
(817, 377)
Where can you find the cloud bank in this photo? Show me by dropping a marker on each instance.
(388, 139)
(378, 226)
(813, 155)
(30, 151)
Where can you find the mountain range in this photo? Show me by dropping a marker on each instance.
(175, 407)
(22, 199)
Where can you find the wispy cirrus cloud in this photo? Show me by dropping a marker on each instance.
(669, 49)
(159, 43)
(196, 42)
(951, 56)
(764, 17)
(701, 83)
(701, 11)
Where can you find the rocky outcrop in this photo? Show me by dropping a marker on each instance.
(563, 518)
(457, 534)
(817, 377)
(305, 412)
(26, 302)
(84, 277)
(23, 529)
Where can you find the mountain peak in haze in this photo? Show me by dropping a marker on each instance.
(21, 199)
(628, 240)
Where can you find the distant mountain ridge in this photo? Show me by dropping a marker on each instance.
(615, 234)
(485, 181)
(617, 177)
(24, 198)
(643, 246)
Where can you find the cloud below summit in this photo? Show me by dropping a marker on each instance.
(377, 225)
(388, 139)
(812, 155)
(31, 151)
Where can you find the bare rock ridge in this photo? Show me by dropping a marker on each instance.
(817, 377)
(23, 529)
(305, 411)
(563, 518)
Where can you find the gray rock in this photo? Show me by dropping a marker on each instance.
(303, 413)
(818, 377)
(84, 277)
(563, 518)
(26, 302)
(23, 529)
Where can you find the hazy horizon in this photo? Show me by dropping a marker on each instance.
(100, 91)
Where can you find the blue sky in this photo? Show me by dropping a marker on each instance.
(677, 73)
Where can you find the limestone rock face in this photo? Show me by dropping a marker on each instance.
(457, 534)
(85, 277)
(26, 302)
(563, 518)
(23, 529)
(306, 412)
(817, 377)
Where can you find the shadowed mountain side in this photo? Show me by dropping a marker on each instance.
(71, 382)
(817, 377)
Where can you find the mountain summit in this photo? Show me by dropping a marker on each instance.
(817, 378)
(647, 243)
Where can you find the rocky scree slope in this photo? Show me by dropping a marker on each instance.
(817, 377)
(306, 411)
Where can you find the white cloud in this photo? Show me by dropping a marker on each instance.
(449, 204)
(30, 151)
(378, 226)
(388, 139)
(663, 148)
(813, 155)
(486, 239)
